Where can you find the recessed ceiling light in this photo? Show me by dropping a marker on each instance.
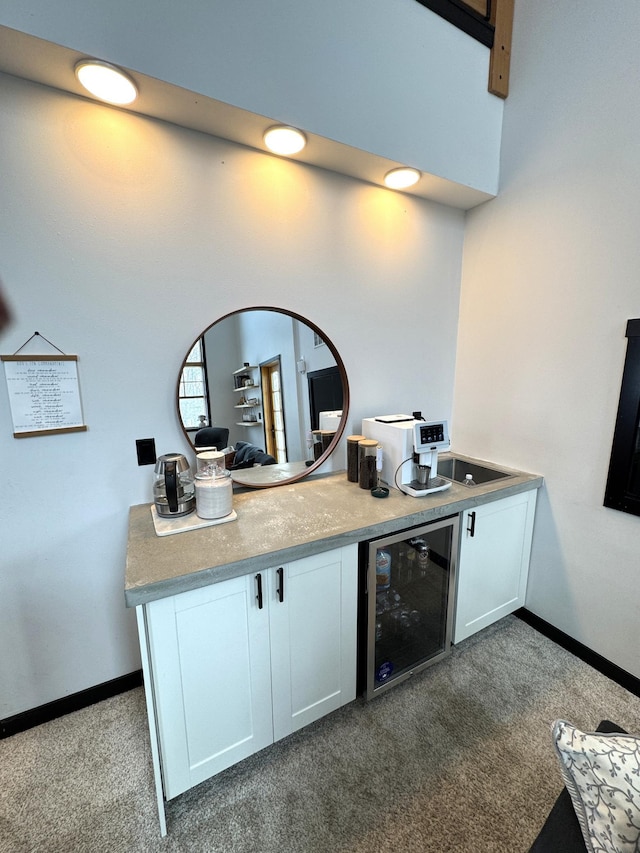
(400, 179)
(106, 82)
(284, 140)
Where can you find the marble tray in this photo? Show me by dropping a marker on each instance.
(168, 526)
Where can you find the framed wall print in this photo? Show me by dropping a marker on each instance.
(44, 394)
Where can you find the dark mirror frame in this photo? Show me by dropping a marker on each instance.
(623, 483)
(345, 389)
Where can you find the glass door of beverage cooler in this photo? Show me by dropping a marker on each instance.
(410, 589)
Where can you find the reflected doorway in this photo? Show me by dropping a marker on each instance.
(273, 409)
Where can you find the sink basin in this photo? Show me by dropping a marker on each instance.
(454, 468)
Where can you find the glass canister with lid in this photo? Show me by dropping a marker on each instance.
(214, 490)
(367, 455)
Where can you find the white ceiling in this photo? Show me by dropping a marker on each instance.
(40, 61)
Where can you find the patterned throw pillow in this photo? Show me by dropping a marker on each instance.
(602, 774)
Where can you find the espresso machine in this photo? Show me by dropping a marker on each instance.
(410, 450)
(428, 440)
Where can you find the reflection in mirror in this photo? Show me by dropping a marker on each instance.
(276, 383)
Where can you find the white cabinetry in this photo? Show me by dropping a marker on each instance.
(211, 680)
(313, 637)
(495, 546)
(241, 663)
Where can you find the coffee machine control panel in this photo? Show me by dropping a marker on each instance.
(430, 436)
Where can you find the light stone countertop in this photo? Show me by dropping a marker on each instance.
(287, 523)
(267, 475)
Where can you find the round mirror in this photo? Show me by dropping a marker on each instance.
(269, 388)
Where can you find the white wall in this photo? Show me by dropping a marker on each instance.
(223, 356)
(389, 78)
(121, 239)
(265, 336)
(550, 277)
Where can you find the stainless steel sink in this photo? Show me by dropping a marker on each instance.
(456, 469)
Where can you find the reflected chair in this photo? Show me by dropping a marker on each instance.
(217, 437)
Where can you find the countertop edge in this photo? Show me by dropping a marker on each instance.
(136, 595)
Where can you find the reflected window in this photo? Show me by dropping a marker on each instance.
(192, 390)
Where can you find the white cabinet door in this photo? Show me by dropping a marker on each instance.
(313, 637)
(210, 664)
(495, 546)
(229, 677)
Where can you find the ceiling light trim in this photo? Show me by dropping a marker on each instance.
(106, 82)
(284, 140)
(402, 178)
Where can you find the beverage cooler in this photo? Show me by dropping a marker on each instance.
(408, 586)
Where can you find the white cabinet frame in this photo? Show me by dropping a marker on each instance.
(495, 547)
(228, 671)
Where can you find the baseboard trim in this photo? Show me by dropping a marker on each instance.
(611, 670)
(52, 710)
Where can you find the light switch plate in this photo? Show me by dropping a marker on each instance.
(146, 450)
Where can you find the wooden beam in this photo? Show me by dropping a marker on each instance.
(499, 63)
